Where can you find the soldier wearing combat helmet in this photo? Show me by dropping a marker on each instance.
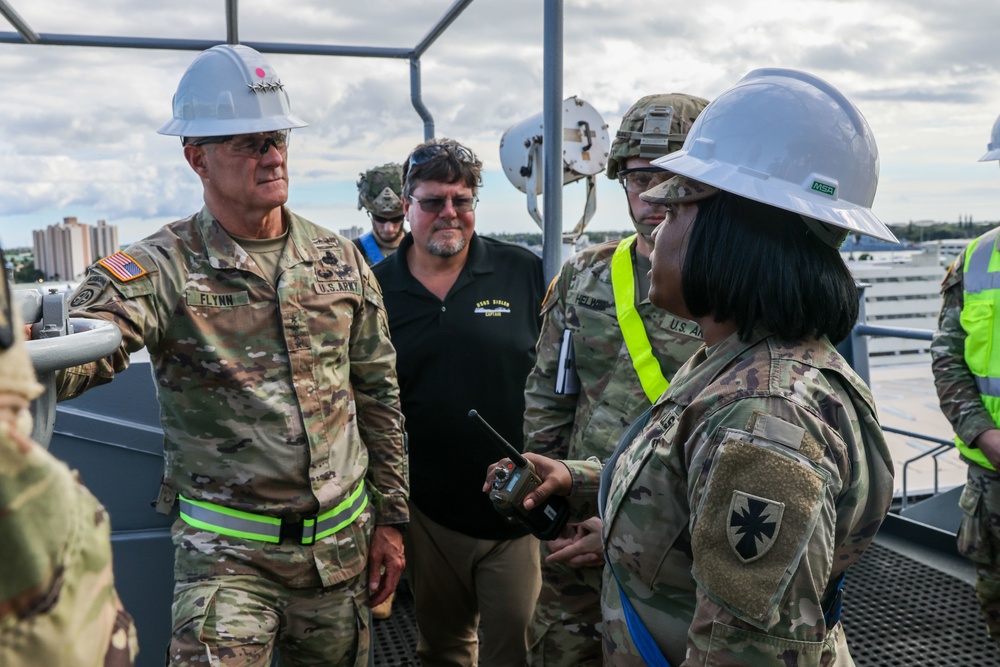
(625, 352)
(379, 192)
(56, 538)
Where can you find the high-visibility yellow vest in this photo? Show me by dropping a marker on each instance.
(633, 331)
(981, 285)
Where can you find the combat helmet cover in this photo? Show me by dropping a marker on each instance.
(655, 126)
(380, 190)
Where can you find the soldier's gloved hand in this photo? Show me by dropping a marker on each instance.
(989, 443)
(580, 545)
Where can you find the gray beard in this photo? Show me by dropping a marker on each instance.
(446, 249)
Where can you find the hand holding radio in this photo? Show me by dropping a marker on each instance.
(518, 493)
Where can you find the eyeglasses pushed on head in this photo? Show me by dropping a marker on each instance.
(249, 145)
(428, 153)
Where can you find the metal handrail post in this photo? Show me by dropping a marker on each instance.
(552, 139)
(859, 342)
(62, 342)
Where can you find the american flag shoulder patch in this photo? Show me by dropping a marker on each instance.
(122, 267)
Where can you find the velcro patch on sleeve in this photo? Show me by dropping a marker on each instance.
(122, 266)
(778, 430)
(757, 514)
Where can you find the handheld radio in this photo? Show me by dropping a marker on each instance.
(512, 484)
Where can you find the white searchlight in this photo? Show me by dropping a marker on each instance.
(585, 154)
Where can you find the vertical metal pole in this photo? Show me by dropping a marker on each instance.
(417, 101)
(860, 342)
(232, 22)
(552, 139)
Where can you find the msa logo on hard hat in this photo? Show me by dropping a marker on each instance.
(824, 188)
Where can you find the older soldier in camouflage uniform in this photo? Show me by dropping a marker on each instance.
(966, 363)
(277, 388)
(380, 191)
(762, 473)
(625, 354)
(58, 605)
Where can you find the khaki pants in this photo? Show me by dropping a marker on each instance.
(460, 583)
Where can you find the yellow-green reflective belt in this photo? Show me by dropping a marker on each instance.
(249, 526)
(623, 281)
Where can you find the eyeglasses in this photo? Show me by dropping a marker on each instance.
(428, 153)
(250, 145)
(379, 219)
(437, 204)
(640, 179)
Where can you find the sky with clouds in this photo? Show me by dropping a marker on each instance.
(80, 123)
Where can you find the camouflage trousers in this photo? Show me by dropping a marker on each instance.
(237, 621)
(979, 540)
(566, 627)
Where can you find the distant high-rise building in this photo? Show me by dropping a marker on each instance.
(352, 232)
(64, 251)
(103, 240)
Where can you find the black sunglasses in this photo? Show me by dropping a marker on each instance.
(380, 219)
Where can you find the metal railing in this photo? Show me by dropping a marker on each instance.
(53, 348)
(855, 351)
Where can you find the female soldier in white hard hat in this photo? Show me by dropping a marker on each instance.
(762, 474)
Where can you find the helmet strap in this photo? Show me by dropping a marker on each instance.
(829, 234)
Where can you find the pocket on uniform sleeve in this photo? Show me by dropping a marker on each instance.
(977, 318)
(729, 646)
(973, 538)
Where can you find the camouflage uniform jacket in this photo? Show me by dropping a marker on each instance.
(58, 605)
(960, 400)
(761, 477)
(274, 399)
(581, 299)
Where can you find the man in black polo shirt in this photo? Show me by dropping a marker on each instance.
(464, 317)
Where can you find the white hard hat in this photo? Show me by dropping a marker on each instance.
(993, 149)
(230, 89)
(791, 140)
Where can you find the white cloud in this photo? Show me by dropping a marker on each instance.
(81, 122)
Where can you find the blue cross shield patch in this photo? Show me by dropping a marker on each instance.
(753, 525)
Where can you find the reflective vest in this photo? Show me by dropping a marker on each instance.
(981, 285)
(633, 331)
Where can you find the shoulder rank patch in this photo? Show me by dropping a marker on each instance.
(122, 267)
(753, 525)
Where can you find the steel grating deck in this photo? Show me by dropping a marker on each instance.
(897, 612)
(395, 638)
